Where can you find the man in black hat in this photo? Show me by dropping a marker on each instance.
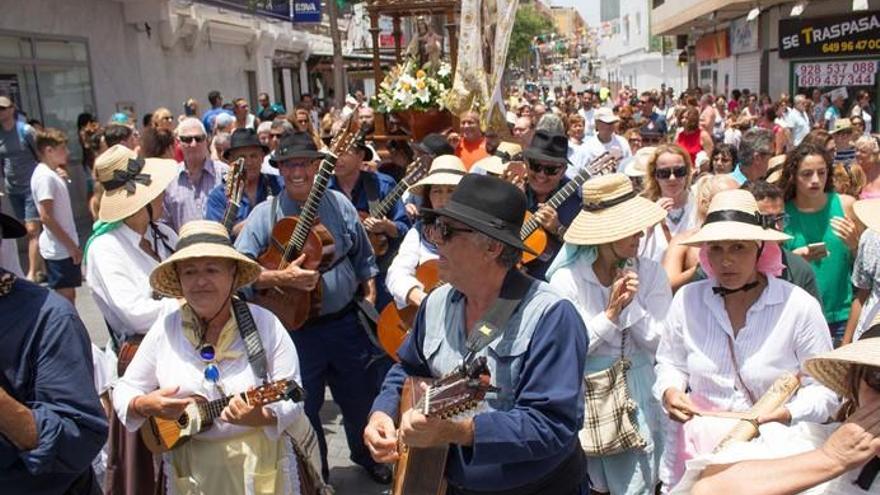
(547, 160)
(526, 440)
(333, 349)
(244, 144)
(51, 422)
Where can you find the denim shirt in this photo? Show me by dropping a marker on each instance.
(215, 208)
(353, 260)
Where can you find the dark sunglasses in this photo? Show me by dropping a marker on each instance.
(547, 169)
(443, 232)
(666, 173)
(780, 221)
(190, 139)
(212, 372)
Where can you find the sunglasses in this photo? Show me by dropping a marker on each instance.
(547, 169)
(190, 139)
(780, 221)
(442, 231)
(666, 173)
(212, 372)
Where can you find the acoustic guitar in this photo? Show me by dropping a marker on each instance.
(531, 232)
(415, 171)
(235, 182)
(420, 471)
(304, 234)
(394, 324)
(161, 435)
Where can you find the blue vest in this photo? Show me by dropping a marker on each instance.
(445, 342)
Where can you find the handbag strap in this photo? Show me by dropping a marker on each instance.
(251, 338)
(738, 377)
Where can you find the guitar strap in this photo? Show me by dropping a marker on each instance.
(371, 189)
(251, 338)
(515, 287)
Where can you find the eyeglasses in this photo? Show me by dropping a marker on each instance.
(547, 169)
(871, 375)
(275, 136)
(780, 221)
(666, 173)
(442, 231)
(190, 139)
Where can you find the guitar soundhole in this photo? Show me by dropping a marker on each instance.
(183, 420)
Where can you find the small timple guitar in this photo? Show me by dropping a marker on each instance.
(420, 471)
(161, 435)
(235, 181)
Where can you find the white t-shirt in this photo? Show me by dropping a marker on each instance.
(46, 184)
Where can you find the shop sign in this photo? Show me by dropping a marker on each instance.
(852, 34)
(823, 74)
(713, 46)
(307, 11)
(743, 36)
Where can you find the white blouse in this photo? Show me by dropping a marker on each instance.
(167, 359)
(775, 442)
(783, 328)
(401, 278)
(643, 316)
(118, 274)
(653, 245)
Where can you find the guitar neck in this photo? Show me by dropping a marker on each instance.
(310, 210)
(211, 410)
(385, 205)
(229, 216)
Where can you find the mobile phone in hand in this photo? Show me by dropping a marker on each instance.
(817, 249)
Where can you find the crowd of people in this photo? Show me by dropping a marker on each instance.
(636, 272)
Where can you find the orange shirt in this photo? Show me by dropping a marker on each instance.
(472, 152)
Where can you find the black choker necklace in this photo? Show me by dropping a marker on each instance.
(724, 292)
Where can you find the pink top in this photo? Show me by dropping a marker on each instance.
(690, 141)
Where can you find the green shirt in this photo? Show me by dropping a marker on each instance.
(832, 271)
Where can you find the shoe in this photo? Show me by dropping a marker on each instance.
(380, 473)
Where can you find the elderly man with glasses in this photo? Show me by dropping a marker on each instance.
(755, 151)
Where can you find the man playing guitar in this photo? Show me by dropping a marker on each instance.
(333, 349)
(526, 442)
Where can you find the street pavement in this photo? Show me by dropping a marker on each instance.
(346, 477)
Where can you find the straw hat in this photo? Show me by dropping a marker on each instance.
(733, 216)
(130, 183)
(202, 239)
(513, 150)
(774, 168)
(491, 164)
(638, 165)
(832, 368)
(446, 170)
(612, 210)
(841, 125)
(868, 212)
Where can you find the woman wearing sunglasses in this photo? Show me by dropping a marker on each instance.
(729, 338)
(817, 459)
(668, 183)
(195, 349)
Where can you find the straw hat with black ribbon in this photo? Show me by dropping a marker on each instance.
(130, 182)
(202, 239)
(611, 210)
(446, 170)
(832, 368)
(733, 216)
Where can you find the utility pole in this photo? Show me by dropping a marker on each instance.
(338, 67)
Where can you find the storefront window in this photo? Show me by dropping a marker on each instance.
(15, 47)
(65, 92)
(73, 51)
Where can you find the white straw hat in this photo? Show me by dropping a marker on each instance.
(491, 164)
(638, 164)
(832, 368)
(446, 170)
(612, 210)
(868, 212)
(733, 216)
(129, 182)
(202, 239)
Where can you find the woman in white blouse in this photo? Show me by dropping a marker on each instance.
(415, 249)
(809, 458)
(196, 349)
(668, 183)
(622, 299)
(728, 338)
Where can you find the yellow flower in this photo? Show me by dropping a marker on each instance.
(421, 74)
(421, 84)
(405, 86)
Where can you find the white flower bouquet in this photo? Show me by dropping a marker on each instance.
(408, 87)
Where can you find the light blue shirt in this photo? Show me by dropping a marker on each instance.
(738, 176)
(353, 261)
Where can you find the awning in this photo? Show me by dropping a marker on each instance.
(683, 16)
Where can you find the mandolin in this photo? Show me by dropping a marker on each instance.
(420, 471)
(531, 232)
(161, 435)
(394, 324)
(235, 182)
(304, 234)
(415, 171)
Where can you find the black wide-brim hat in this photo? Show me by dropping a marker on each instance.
(295, 145)
(434, 144)
(12, 228)
(548, 146)
(489, 205)
(244, 138)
